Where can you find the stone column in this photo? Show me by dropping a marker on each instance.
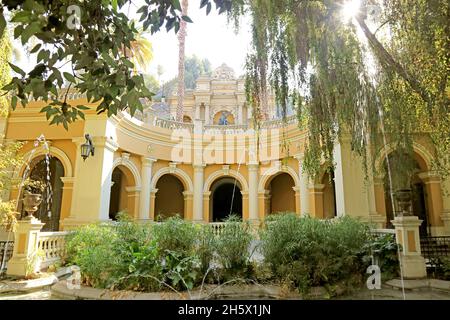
(316, 200)
(297, 200)
(146, 178)
(434, 201)
(152, 204)
(351, 192)
(67, 193)
(253, 192)
(207, 115)
(26, 241)
(92, 187)
(133, 197)
(198, 193)
(407, 235)
(304, 187)
(445, 216)
(240, 114)
(197, 112)
(206, 214)
(188, 205)
(264, 204)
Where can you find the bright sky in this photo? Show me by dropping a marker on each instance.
(208, 37)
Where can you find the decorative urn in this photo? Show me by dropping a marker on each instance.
(31, 202)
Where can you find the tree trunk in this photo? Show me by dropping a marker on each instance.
(388, 61)
(181, 57)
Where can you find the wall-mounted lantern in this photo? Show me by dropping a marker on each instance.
(87, 148)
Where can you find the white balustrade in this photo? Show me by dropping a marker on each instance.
(52, 245)
(217, 227)
(173, 125)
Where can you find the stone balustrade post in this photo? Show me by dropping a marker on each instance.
(407, 236)
(25, 259)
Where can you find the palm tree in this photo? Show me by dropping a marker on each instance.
(5, 70)
(181, 56)
(140, 51)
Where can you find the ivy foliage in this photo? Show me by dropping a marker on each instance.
(381, 77)
(93, 38)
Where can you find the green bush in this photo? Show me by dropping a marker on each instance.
(205, 247)
(305, 252)
(446, 268)
(385, 248)
(175, 234)
(131, 256)
(232, 248)
(92, 249)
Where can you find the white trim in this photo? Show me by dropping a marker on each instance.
(418, 148)
(53, 151)
(127, 163)
(275, 170)
(225, 173)
(176, 172)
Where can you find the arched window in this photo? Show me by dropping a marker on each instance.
(226, 199)
(169, 199)
(49, 211)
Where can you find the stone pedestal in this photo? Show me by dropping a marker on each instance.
(26, 241)
(407, 235)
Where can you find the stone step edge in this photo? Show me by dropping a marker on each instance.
(416, 284)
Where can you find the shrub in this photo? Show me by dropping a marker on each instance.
(233, 247)
(92, 249)
(205, 247)
(305, 252)
(446, 268)
(385, 248)
(175, 234)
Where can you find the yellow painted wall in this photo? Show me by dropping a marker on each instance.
(282, 194)
(169, 198)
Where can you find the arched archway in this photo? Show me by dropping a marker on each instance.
(123, 194)
(329, 195)
(49, 211)
(169, 200)
(225, 199)
(223, 117)
(417, 185)
(281, 193)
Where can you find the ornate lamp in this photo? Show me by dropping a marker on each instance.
(87, 148)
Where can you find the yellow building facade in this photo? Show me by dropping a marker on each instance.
(212, 165)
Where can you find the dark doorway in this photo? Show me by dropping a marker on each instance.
(225, 203)
(169, 201)
(116, 188)
(49, 211)
(419, 207)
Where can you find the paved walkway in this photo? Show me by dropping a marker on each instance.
(395, 294)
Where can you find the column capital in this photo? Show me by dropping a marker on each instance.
(199, 167)
(188, 194)
(429, 177)
(147, 161)
(133, 189)
(317, 187)
(105, 142)
(67, 180)
(206, 194)
(299, 157)
(252, 166)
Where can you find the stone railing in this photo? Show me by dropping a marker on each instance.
(217, 227)
(173, 125)
(277, 123)
(225, 129)
(222, 129)
(52, 245)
